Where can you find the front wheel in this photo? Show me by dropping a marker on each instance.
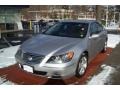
(82, 65)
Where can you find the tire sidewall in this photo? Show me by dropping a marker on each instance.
(77, 71)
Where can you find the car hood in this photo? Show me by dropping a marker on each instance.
(45, 44)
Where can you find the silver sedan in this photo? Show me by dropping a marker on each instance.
(64, 50)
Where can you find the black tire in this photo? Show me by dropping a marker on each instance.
(104, 48)
(79, 72)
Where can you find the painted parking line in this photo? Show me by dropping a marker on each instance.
(18, 76)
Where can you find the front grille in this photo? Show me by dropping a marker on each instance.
(32, 58)
(29, 58)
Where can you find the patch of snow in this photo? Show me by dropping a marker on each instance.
(7, 56)
(3, 81)
(8, 83)
(103, 77)
(113, 40)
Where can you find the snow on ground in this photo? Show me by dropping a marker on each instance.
(7, 56)
(103, 77)
(3, 81)
(6, 59)
(113, 40)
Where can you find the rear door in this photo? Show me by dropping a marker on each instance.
(102, 37)
(94, 42)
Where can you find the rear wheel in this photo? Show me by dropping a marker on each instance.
(104, 48)
(82, 65)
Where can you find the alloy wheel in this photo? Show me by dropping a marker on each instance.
(82, 65)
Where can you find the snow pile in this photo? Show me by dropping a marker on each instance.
(7, 56)
(113, 40)
(8, 83)
(3, 81)
(103, 77)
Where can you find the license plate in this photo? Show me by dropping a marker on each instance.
(28, 68)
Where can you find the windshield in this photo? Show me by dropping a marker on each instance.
(68, 29)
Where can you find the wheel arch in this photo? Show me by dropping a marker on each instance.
(86, 53)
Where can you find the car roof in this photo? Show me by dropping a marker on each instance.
(81, 21)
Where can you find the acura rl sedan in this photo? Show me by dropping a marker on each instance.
(64, 50)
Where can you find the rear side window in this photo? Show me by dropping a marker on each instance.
(95, 28)
(100, 28)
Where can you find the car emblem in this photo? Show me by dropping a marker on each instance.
(30, 58)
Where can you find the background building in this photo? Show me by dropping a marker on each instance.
(10, 17)
(37, 12)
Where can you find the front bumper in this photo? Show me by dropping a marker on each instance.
(53, 72)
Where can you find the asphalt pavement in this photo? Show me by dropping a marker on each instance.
(114, 61)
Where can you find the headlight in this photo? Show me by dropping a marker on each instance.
(61, 58)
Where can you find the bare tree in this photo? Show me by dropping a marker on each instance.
(98, 13)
